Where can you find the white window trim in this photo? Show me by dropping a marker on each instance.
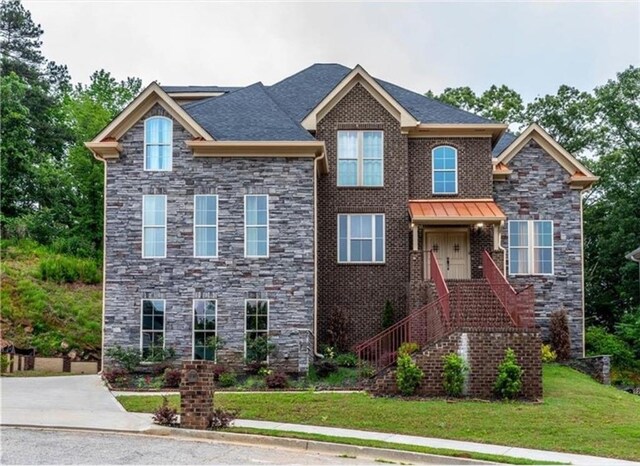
(166, 208)
(164, 322)
(144, 147)
(359, 159)
(247, 226)
(373, 247)
(531, 247)
(245, 322)
(198, 225)
(193, 327)
(434, 169)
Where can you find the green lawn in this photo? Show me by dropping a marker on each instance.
(578, 415)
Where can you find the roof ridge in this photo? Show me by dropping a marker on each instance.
(191, 105)
(305, 69)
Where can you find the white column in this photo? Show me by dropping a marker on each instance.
(414, 228)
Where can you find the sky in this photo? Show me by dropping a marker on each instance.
(532, 47)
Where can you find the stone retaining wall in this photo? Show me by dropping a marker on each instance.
(598, 367)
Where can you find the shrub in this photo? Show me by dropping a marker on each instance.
(407, 348)
(324, 367)
(227, 379)
(454, 373)
(408, 375)
(387, 315)
(329, 352)
(221, 418)
(338, 330)
(277, 380)
(165, 415)
(4, 363)
(366, 371)
(215, 343)
(116, 376)
(599, 341)
(218, 370)
(158, 354)
(347, 360)
(629, 330)
(559, 332)
(64, 269)
(509, 381)
(259, 348)
(172, 378)
(255, 367)
(74, 246)
(127, 358)
(547, 354)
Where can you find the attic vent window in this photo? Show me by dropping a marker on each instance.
(158, 143)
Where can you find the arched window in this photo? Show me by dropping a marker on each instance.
(444, 167)
(158, 139)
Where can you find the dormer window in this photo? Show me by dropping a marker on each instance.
(444, 170)
(360, 158)
(158, 143)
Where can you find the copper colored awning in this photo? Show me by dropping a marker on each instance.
(455, 211)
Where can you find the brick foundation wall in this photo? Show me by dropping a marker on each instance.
(196, 394)
(484, 350)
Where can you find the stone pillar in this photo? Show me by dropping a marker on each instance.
(196, 394)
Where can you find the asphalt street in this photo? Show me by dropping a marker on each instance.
(41, 446)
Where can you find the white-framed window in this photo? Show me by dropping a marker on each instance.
(204, 329)
(152, 326)
(256, 225)
(256, 313)
(158, 143)
(360, 158)
(205, 225)
(530, 247)
(444, 166)
(361, 238)
(154, 225)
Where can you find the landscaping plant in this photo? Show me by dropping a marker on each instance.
(547, 354)
(218, 370)
(221, 418)
(408, 375)
(387, 315)
(338, 330)
(165, 415)
(277, 380)
(324, 367)
(509, 382)
(116, 376)
(408, 347)
(172, 378)
(454, 373)
(346, 360)
(259, 348)
(366, 370)
(127, 358)
(227, 379)
(560, 338)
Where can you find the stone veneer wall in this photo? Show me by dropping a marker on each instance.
(598, 367)
(285, 278)
(538, 190)
(484, 350)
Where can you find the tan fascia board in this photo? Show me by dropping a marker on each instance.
(555, 150)
(358, 75)
(142, 104)
(293, 149)
(460, 130)
(104, 150)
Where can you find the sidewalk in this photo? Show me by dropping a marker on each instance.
(536, 455)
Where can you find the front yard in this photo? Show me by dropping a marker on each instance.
(578, 415)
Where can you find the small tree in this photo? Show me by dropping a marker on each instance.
(387, 315)
(408, 375)
(509, 382)
(258, 349)
(560, 338)
(455, 370)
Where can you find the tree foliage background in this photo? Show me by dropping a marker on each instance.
(51, 186)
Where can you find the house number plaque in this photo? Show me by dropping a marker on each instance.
(192, 376)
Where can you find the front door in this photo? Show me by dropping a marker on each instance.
(452, 251)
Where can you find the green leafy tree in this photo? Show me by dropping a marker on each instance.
(498, 103)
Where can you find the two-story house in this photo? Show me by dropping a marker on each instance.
(279, 210)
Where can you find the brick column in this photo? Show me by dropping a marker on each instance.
(196, 394)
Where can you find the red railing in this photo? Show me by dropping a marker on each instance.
(519, 305)
(424, 326)
(441, 285)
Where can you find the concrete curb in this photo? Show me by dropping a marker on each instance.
(310, 446)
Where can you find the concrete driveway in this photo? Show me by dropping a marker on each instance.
(80, 401)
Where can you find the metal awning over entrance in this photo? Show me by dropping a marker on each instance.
(455, 211)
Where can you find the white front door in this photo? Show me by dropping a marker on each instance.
(452, 251)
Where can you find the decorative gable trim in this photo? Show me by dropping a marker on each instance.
(359, 76)
(105, 144)
(580, 178)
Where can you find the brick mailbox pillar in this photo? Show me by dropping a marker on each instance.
(196, 394)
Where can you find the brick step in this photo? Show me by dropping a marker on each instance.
(477, 305)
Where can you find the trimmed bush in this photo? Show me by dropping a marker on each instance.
(227, 379)
(559, 332)
(408, 375)
(277, 380)
(547, 354)
(454, 372)
(509, 382)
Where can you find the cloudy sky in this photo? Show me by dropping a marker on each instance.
(532, 47)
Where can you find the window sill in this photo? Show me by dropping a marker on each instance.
(361, 263)
(360, 187)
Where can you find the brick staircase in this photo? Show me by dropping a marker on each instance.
(474, 305)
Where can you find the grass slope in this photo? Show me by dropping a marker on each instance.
(578, 415)
(44, 314)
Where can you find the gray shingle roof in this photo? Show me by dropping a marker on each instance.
(504, 142)
(171, 89)
(247, 114)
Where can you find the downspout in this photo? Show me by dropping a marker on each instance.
(315, 254)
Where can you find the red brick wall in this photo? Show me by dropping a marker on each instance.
(196, 397)
(360, 291)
